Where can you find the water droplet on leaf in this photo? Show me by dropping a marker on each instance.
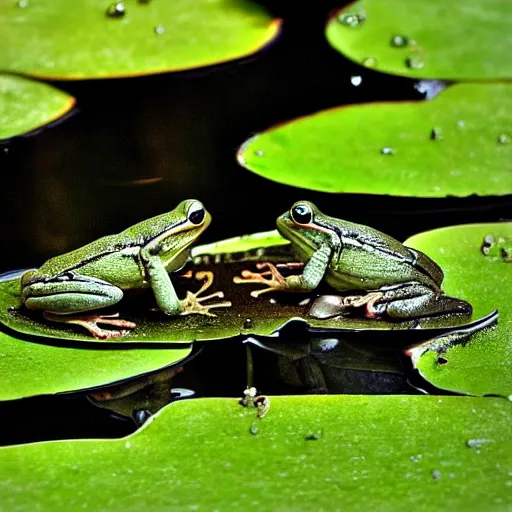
(159, 30)
(503, 139)
(387, 151)
(487, 244)
(116, 10)
(352, 19)
(414, 62)
(259, 152)
(461, 123)
(399, 41)
(254, 429)
(248, 323)
(369, 62)
(22, 4)
(313, 436)
(436, 474)
(436, 134)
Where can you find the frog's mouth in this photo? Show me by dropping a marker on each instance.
(174, 252)
(303, 239)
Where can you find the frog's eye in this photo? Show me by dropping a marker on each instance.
(196, 216)
(301, 214)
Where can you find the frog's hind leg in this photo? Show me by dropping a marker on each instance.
(91, 324)
(414, 300)
(64, 299)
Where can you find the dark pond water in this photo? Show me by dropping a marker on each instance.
(134, 148)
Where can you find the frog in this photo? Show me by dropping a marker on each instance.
(390, 280)
(98, 274)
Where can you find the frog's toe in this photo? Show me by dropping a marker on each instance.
(192, 304)
(90, 323)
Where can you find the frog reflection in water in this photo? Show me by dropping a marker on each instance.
(96, 275)
(388, 278)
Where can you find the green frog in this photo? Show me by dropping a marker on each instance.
(388, 278)
(97, 275)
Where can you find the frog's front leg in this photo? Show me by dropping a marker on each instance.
(312, 275)
(165, 294)
(62, 297)
(416, 300)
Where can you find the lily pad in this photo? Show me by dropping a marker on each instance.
(425, 39)
(26, 105)
(484, 365)
(31, 368)
(263, 316)
(429, 148)
(244, 244)
(307, 453)
(112, 39)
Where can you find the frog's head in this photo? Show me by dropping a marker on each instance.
(176, 231)
(307, 228)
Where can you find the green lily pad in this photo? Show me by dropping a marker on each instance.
(425, 39)
(49, 39)
(31, 368)
(26, 105)
(307, 453)
(387, 148)
(262, 316)
(482, 366)
(244, 243)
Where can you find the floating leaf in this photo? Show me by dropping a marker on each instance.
(100, 39)
(460, 41)
(26, 105)
(387, 148)
(31, 368)
(484, 365)
(307, 453)
(262, 316)
(242, 243)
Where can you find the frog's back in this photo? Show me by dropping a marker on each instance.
(359, 240)
(87, 254)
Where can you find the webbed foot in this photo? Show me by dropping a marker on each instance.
(192, 303)
(271, 277)
(91, 324)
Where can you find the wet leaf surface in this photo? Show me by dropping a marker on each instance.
(387, 148)
(262, 316)
(460, 41)
(31, 368)
(26, 105)
(96, 40)
(484, 365)
(307, 453)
